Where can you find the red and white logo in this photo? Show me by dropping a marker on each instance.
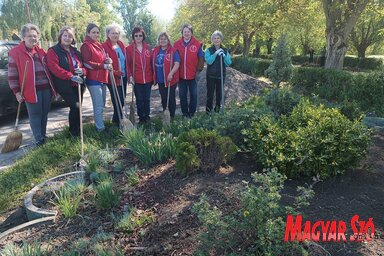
(147, 53)
(193, 48)
(168, 57)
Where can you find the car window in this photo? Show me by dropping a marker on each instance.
(3, 56)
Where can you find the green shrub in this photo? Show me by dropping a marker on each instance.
(106, 196)
(312, 140)
(365, 91)
(250, 66)
(281, 67)
(282, 100)
(202, 149)
(257, 227)
(152, 148)
(132, 176)
(363, 63)
(235, 119)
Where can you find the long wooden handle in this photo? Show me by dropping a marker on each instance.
(22, 93)
(133, 70)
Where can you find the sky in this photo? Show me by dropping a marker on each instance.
(163, 9)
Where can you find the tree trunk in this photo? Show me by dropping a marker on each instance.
(341, 16)
(247, 41)
(336, 50)
(234, 48)
(361, 51)
(269, 45)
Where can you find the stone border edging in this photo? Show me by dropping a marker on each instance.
(34, 212)
(25, 225)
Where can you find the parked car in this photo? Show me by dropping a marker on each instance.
(8, 102)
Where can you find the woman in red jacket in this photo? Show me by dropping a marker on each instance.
(38, 87)
(139, 70)
(97, 64)
(191, 61)
(166, 62)
(115, 49)
(64, 62)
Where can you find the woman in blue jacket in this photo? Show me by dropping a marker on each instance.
(213, 56)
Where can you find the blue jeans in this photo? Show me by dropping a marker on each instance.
(38, 114)
(143, 100)
(98, 94)
(185, 86)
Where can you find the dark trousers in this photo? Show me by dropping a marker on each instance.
(71, 98)
(143, 100)
(38, 114)
(172, 98)
(116, 106)
(213, 84)
(186, 86)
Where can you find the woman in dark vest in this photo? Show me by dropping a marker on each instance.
(65, 65)
(213, 55)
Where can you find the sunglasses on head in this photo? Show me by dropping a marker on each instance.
(139, 35)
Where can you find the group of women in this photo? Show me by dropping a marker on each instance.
(97, 65)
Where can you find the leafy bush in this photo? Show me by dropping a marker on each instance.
(363, 63)
(235, 119)
(152, 148)
(257, 227)
(311, 140)
(281, 67)
(202, 149)
(250, 66)
(106, 195)
(282, 100)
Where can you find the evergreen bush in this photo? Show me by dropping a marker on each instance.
(200, 149)
(281, 67)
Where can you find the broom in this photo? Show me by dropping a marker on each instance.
(132, 105)
(124, 123)
(166, 113)
(13, 140)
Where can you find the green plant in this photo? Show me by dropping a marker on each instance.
(25, 249)
(281, 67)
(133, 219)
(282, 100)
(250, 66)
(132, 176)
(202, 149)
(312, 140)
(67, 200)
(257, 227)
(106, 196)
(152, 148)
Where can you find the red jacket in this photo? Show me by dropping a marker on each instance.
(94, 56)
(143, 68)
(59, 71)
(188, 57)
(20, 56)
(167, 65)
(107, 45)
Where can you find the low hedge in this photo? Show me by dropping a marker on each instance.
(365, 90)
(251, 66)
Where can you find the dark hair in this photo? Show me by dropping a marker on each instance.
(69, 30)
(92, 26)
(188, 26)
(136, 30)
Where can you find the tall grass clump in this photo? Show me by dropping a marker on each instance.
(106, 196)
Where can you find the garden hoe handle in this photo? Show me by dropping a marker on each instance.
(81, 120)
(133, 70)
(21, 93)
(222, 82)
(169, 84)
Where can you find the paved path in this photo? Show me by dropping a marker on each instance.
(58, 119)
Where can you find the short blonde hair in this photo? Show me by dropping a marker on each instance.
(69, 30)
(163, 34)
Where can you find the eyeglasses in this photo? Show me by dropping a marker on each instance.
(139, 35)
